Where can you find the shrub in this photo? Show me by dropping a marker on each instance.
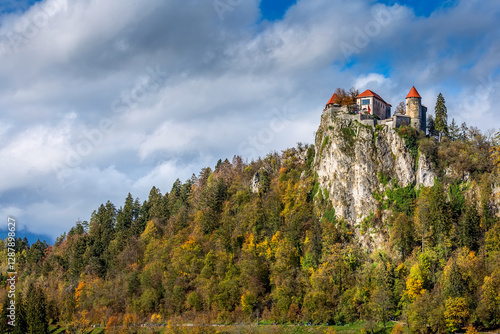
(383, 178)
(348, 139)
(398, 329)
(401, 199)
(325, 141)
(410, 136)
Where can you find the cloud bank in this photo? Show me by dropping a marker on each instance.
(102, 98)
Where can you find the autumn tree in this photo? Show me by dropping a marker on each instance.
(471, 330)
(254, 277)
(400, 109)
(456, 313)
(346, 98)
(213, 250)
(495, 150)
(353, 92)
(284, 277)
(489, 305)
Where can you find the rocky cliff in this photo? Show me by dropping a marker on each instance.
(354, 161)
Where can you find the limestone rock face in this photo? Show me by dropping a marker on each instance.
(255, 183)
(353, 161)
(425, 174)
(495, 200)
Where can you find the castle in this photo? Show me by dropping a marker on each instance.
(371, 109)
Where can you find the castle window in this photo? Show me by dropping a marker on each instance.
(365, 102)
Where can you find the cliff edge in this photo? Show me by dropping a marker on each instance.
(354, 161)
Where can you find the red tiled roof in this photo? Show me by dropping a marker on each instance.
(413, 93)
(333, 99)
(369, 93)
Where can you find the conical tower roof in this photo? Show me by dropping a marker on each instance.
(413, 93)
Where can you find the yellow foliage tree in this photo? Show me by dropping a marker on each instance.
(249, 245)
(495, 150)
(129, 319)
(248, 301)
(78, 293)
(156, 318)
(471, 330)
(489, 305)
(79, 324)
(456, 313)
(151, 232)
(414, 288)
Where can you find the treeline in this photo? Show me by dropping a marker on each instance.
(213, 250)
(21, 316)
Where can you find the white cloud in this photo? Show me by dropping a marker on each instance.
(168, 137)
(30, 154)
(225, 80)
(10, 211)
(163, 176)
(370, 80)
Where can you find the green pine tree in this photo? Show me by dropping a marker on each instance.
(4, 326)
(36, 312)
(441, 121)
(468, 228)
(431, 126)
(454, 130)
(125, 215)
(21, 321)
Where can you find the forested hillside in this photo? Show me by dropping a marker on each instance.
(215, 249)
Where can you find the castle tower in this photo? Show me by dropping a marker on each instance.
(415, 110)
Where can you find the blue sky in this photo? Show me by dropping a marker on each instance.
(422, 8)
(10, 6)
(271, 9)
(96, 105)
(275, 9)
